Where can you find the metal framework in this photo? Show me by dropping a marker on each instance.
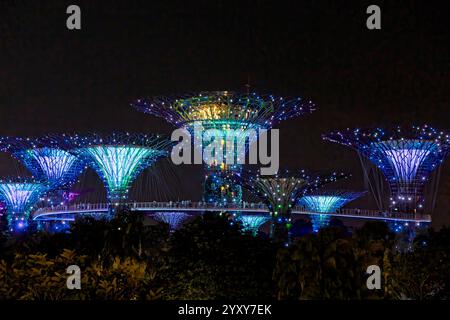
(326, 202)
(406, 157)
(45, 160)
(118, 158)
(232, 115)
(20, 195)
(252, 222)
(281, 192)
(174, 219)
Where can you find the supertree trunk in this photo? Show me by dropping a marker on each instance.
(281, 225)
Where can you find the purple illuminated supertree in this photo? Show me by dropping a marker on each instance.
(281, 192)
(406, 157)
(45, 160)
(117, 158)
(174, 219)
(235, 117)
(325, 202)
(20, 195)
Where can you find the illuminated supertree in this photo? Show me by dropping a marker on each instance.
(406, 157)
(281, 192)
(174, 219)
(326, 201)
(236, 118)
(20, 195)
(118, 158)
(252, 222)
(47, 162)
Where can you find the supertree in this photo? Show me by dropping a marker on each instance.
(174, 219)
(117, 158)
(252, 222)
(47, 162)
(20, 195)
(325, 202)
(406, 157)
(281, 192)
(235, 117)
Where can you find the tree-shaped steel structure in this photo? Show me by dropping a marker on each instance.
(118, 158)
(46, 160)
(234, 116)
(174, 219)
(252, 222)
(281, 192)
(20, 195)
(325, 202)
(405, 156)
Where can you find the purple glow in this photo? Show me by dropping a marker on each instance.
(20, 198)
(406, 161)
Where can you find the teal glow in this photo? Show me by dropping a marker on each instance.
(52, 164)
(319, 221)
(323, 203)
(252, 223)
(118, 166)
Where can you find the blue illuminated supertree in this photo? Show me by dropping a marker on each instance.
(2, 211)
(174, 219)
(118, 158)
(47, 162)
(406, 157)
(235, 117)
(281, 192)
(326, 202)
(20, 196)
(252, 222)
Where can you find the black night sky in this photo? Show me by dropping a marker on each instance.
(56, 80)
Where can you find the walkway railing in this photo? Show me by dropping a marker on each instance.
(244, 207)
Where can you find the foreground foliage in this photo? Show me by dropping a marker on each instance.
(124, 259)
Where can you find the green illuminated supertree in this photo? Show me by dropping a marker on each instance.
(281, 192)
(252, 222)
(234, 117)
(323, 202)
(118, 158)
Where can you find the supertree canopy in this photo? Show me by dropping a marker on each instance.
(281, 192)
(406, 157)
(118, 158)
(174, 219)
(46, 160)
(252, 222)
(234, 116)
(19, 196)
(325, 202)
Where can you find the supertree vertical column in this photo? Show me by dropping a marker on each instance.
(20, 195)
(118, 158)
(252, 222)
(281, 192)
(406, 157)
(174, 219)
(235, 117)
(326, 202)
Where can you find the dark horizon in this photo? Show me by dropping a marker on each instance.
(56, 80)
